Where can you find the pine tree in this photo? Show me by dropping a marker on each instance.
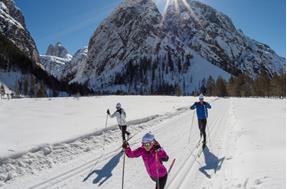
(2, 91)
(203, 86)
(278, 85)
(33, 89)
(26, 87)
(221, 90)
(17, 90)
(246, 84)
(42, 90)
(178, 91)
(262, 86)
(210, 86)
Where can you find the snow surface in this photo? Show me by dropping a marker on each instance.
(246, 143)
(52, 120)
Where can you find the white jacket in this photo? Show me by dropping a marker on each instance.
(121, 117)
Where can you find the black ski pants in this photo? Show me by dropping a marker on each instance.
(202, 128)
(161, 181)
(123, 128)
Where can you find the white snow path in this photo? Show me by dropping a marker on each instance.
(246, 150)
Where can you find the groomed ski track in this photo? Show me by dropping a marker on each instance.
(172, 132)
(193, 168)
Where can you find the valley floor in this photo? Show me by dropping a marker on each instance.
(245, 149)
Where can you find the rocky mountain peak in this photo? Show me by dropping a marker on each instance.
(58, 50)
(12, 27)
(213, 35)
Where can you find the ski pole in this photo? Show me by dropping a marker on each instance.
(104, 135)
(171, 165)
(189, 138)
(208, 133)
(123, 172)
(156, 164)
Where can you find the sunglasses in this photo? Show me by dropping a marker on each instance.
(147, 144)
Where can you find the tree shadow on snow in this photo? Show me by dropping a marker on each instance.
(106, 172)
(212, 162)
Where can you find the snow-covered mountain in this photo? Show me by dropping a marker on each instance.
(130, 53)
(59, 63)
(58, 50)
(12, 27)
(55, 60)
(54, 65)
(20, 69)
(19, 58)
(214, 36)
(75, 68)
(138, 50)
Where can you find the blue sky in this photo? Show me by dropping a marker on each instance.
(73, 22)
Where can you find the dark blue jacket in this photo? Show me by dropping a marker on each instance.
(201, 109)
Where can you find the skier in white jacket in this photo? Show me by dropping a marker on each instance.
(120, 114)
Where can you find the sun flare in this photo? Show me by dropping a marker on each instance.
(178, 5)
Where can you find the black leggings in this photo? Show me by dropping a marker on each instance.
(123, 128)
(161, 181)
(202, 127)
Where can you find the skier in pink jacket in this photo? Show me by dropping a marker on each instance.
(153, 155)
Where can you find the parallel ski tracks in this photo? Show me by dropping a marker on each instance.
(181, 174)
(64, 176)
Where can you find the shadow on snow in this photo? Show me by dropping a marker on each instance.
(106, 172)
(212, 162)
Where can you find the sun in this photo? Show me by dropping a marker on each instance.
(178, 4)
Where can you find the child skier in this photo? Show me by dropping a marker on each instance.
(153, 156)
(202, 114)
(120, 114)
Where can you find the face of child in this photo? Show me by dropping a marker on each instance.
(148, 146)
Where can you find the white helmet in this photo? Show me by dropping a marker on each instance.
(201, 97)
(118, 106)
(148, 137)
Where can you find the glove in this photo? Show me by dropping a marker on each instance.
(125, 145)
(156, 146)
(120, 111)
(164, 159)
(108, 112)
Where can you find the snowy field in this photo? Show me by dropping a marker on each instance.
(56, 143)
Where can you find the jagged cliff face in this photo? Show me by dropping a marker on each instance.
(60, 64)
(130, 53)
(12, 26)
(214, 36)
(73, 71)
(56, 60)
(58, 50)
(137, 50)
(20, 70)
(54, 65)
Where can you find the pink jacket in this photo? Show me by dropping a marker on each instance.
(149, 158)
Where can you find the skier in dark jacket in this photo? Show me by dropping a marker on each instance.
(120, 114)
(202, 114)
